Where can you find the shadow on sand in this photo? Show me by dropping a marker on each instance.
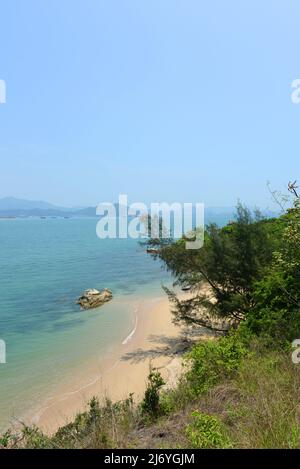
(167, 346)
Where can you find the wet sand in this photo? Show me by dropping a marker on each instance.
(154, 341)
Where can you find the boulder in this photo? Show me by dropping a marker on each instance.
(93, 298)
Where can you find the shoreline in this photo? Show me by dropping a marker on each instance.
(153, 340)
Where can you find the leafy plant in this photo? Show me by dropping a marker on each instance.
(206, 431)
(150, 404)
(214, 360)
(5, 439)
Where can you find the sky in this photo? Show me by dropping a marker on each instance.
(162, 100)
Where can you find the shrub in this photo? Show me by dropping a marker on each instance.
(150, 404)
(206, 431)
(5, 439)
(35, 439)
(214, 360)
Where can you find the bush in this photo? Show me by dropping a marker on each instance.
(35, 439)
(102, 426)
(150, 404)
(6, 439)
(214, 360)
(206, 431)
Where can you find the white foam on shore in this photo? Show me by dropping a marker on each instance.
(66, 395)
(129, 337)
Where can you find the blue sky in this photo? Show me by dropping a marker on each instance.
(162, 100)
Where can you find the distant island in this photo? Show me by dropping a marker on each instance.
(11, 207)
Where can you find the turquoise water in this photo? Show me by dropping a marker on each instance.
(45, 265)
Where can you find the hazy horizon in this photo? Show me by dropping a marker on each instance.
(78, 207)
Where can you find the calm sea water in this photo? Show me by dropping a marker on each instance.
(45, 265)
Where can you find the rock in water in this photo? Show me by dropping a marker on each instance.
(93, 298)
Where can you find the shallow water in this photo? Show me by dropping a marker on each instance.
(45, 266)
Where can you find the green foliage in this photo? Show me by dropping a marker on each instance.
(252, 267)
(206, 431)
(84, 424)
(99, 424)
(232, 260)
(288, 257)
(276, 305)
(151, 402)
(35, 439)
(6, 439)
(166, 403)
(211, 361)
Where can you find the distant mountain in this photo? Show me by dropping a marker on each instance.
(223, 215)
(35, 212)
(12, 203)
(86, 212)
(91, 211)
(13, 207)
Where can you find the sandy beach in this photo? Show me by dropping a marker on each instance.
(154, 340)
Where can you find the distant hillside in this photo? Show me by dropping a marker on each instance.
(13, 207)
(35, 212)
(12, 203)
(223, 215)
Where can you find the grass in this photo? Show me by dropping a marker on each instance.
(268, 412)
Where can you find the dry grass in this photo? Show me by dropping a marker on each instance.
(259, 407)
(268, 412)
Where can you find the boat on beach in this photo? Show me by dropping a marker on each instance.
(152, 251)
(186, 288)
